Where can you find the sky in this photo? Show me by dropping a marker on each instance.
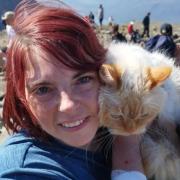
(124, 11)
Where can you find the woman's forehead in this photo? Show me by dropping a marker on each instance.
(42, 62)
(38, 57)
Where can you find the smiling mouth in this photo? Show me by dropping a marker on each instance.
(72, 124)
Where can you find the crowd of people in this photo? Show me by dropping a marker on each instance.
(162, 40)
(51, 101)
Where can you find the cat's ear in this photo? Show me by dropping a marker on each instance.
(156, 75)
(110, 75)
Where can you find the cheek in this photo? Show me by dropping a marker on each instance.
(89, 98)
(40, 110)
(92, 99)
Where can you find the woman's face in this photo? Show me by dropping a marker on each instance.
(64, 101)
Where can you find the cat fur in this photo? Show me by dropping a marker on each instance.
(138, 87)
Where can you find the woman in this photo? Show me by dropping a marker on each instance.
(51, 103)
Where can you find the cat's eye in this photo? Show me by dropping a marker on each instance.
(144, 115)
(116, 116)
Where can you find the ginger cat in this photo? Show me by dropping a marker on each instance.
(139, 88)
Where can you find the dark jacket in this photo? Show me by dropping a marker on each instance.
(146, 20)
(161, 43)
(118, 38)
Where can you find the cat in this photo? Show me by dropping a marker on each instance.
(140, 94)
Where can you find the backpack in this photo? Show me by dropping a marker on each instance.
(161, 43)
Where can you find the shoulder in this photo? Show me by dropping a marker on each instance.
(23, 157)
(12, 152)
(166, 41)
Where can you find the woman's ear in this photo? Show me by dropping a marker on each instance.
(157, 75)
(110, 75)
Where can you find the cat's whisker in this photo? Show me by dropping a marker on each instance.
(104, 142)
(107, 148)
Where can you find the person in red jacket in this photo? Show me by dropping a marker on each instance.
(130, 27)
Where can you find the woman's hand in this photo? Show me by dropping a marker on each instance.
(126, 153)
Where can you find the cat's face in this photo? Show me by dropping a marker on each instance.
(129, 102)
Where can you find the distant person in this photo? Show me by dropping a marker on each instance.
(100, 14)
(110, 20)
(155, 31)
(7, 19)
(130, 28)
(91, 17)
(136, 37)
(163, 42)
(146, 24)
(116, 36)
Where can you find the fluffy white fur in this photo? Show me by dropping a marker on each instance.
(133, 59)
(129, 108)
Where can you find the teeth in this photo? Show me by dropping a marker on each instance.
(73, 124)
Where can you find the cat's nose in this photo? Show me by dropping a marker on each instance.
(131, 129)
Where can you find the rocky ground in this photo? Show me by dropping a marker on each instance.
(3, 133)
(3, 43)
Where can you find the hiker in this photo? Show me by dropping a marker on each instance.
(116, 35)
(91, 17)
(146, 24)
(110, 21)
(7, 18)
(100, 15)
(163, 42)
(136, 36)
(130, 28)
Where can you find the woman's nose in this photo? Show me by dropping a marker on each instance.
(66, 102)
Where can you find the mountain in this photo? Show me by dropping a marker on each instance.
(7, 5)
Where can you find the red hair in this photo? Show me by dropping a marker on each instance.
(58, 31)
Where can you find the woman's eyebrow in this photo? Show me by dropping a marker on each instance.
(78, 74)
(45, 82)
(29, 85)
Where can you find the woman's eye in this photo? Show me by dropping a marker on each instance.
(42, 91)
(84, 79)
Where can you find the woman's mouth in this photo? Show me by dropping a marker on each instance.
(72, 124)
(75, 125)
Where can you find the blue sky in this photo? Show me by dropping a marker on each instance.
(124, 11)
